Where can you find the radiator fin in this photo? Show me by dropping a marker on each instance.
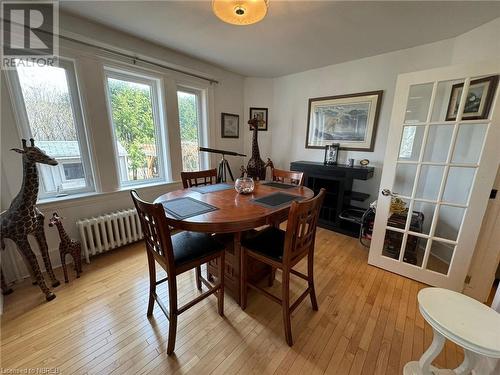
(109, 231)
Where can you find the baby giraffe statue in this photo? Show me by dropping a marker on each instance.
(67, 246)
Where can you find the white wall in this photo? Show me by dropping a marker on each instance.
(227, 96)
(481, 43)
(285, 141)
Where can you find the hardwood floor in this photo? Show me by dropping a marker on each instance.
(368, 323)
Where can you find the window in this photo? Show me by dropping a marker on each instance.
(73, 171)
(133, 103)
(48, 100)
(192, 131)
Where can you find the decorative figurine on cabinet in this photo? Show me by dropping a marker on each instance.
(23, 218)
(67, 246)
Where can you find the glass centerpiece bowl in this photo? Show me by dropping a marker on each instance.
(244, 185)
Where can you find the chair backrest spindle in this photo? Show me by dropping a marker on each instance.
(199, 178)
(156, 231)
(301, 228)
(296, 178)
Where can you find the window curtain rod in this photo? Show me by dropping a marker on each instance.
(126, 55)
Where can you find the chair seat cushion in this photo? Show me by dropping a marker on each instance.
(189, 246)
(269, 242)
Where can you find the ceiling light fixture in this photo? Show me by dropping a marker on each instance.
(240, 12)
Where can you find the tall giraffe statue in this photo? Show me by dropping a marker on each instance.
(23, 218)
(256, 168)
(67, 246)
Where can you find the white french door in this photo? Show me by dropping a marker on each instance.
(441, 162)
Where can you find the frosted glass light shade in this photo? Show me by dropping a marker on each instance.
(240, 12)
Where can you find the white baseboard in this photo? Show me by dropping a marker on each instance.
(17, 271)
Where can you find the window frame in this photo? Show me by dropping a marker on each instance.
(203, 131)
(24, 127)
(162, 146)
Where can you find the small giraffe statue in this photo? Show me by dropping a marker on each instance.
(256, 167)
(67, 246)
(23, 218)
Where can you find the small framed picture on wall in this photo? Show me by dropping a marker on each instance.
(230, 125)
(261, 115)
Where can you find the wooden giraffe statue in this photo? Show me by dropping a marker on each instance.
(256, 167)
(23, 218)
(67, 246)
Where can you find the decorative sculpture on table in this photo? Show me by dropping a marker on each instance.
(67, 246)
(256, 168)
(23, 218)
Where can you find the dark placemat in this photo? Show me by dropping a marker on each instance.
(182, 208)
(279, 185)
(212, 188)
(276, 200)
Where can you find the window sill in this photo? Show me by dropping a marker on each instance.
(84, 198)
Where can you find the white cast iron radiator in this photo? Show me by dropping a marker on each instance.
(109, 231)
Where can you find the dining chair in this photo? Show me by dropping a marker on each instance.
(296, 178)
(199, 178)
(176, 254)
(283, 250)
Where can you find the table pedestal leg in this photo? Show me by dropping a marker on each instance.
(468, 364)
(431, 353)
(423, 366)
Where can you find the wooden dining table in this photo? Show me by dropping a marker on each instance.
(236, 215)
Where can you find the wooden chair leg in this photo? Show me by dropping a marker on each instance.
(285, 305)
(198, 277)
(172, 333)
(271, 277)
(152, 284)
(310, 281)
(243, 278)
(220, 293)
(172, 320)
(209, 275)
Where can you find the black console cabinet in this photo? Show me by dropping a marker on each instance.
(337, 180)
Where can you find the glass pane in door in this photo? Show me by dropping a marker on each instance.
(422, 214)
(441, 110)
(419, 100)
(404, 178)
(438, 143)
(440, 256)
(414, 250)
(392, 244)
(429, 182)
(411, 142)
(449, 222)
(458, 185)
(469, 143)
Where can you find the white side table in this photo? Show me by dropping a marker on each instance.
(456, 317)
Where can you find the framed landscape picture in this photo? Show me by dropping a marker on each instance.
(230, 125)
(478, 102)
(261, 115)
(350, 120)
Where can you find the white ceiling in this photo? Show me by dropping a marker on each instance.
(295, 36)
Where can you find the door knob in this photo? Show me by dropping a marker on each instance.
(387, 193)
